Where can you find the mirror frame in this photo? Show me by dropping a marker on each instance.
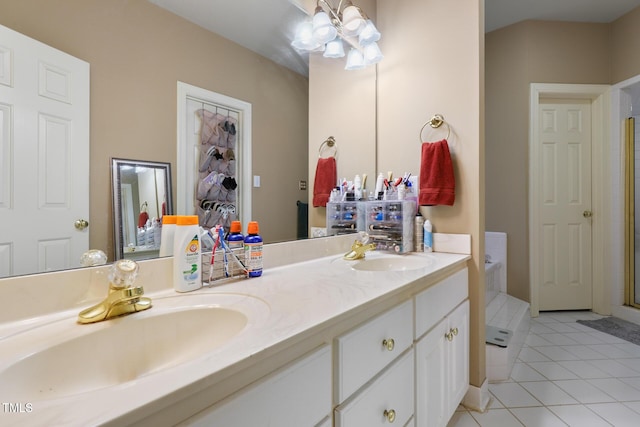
(116, 180)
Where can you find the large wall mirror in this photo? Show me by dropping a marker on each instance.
(133, 96)
(141, 197)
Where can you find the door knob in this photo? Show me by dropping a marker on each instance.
(390, 415)
(587, 214)
(81, 224)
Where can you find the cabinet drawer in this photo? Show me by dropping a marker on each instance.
(392, 393)
(297, 395)
(433, 304)
(366, 350)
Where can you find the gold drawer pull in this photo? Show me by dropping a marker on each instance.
(390, 415)
(449, 336)
(455, 331)
(389, 344)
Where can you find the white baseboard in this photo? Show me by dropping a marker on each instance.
(477, 398)
(627, 313)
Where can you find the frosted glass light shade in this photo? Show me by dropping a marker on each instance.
(355, 60)
(352, 21)
(323, 29)
(334, 49)
(304, 37)
(369, 34)
(372, 54)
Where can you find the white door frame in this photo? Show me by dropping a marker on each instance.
(601, 175)
(185, 184)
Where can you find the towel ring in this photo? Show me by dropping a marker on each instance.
(435, 122)
(328, 143)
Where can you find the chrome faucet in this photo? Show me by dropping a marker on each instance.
(359, 247)
(123, 297)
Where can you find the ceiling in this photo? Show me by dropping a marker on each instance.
(500, 13)
(273, 22)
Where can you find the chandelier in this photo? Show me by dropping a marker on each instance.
(331, 27)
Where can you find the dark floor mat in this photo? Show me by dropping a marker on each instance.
(617, 327)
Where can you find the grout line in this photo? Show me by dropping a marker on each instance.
(622, 350)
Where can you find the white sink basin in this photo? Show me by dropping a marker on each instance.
(64, 358)
(391, 263)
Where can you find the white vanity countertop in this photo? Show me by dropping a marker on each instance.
(301, 299)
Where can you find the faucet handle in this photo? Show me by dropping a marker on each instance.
(93, 257)
(123, 273)
(363, 237)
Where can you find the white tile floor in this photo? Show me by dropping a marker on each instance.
(567, 374)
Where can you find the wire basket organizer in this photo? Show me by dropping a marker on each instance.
(220, 274)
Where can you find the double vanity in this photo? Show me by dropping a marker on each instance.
(316, 341)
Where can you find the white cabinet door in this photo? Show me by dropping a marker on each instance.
(431, 377)
(298, 395)
(442, 369)
(459, 355)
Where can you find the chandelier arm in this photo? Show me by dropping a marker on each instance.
(350, 41)
(333, 13)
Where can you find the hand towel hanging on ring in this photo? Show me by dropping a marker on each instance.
(437, 181)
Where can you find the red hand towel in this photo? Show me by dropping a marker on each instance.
(325, 181)
(437, 182)
(142, 218)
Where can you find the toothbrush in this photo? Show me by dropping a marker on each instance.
(228, 250)
(213, 252)
(224, 250)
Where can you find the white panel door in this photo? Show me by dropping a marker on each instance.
(44, 156)
(564, 150)
(190, 100)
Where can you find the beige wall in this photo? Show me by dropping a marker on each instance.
(416, 80)
(137, 53)
(625, 45)
(524, 53)
(433, 63)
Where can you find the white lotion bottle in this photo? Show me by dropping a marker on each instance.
(168, 234)
(428, 236)
(379, 184)
(187, 261)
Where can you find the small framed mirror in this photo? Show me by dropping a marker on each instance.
(142, 195)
